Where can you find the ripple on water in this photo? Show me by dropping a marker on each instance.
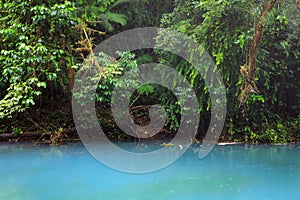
(228, 172)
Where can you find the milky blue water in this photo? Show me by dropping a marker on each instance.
(228, 172)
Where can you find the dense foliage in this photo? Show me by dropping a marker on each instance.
(227, 29)
(43, 44)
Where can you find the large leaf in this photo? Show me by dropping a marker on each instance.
(125, 1)
(109, 17)
(116, 17)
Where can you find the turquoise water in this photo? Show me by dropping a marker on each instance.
(228, 172)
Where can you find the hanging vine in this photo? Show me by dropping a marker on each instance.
(248, 70)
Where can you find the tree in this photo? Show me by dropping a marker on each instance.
(35, 51)
(38, 43)
(232, 33)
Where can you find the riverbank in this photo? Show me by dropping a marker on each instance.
(71, 135)
(54, 125)
(51, 138)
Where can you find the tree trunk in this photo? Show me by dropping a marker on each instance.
(248, 70)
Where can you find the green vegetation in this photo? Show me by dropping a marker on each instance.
(255, 45)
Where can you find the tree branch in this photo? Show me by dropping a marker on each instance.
(248, 70)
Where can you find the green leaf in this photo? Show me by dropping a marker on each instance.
(116, 17)
(41, 84)
(145, 90)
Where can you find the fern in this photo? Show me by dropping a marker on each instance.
(125, 1)
(145, 90)
(109, 17)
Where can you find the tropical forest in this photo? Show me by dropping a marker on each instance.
(254, 44)
(174, 77)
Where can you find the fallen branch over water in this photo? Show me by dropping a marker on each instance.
(41, 137)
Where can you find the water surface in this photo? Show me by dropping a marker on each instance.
(228, 172)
